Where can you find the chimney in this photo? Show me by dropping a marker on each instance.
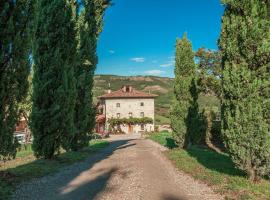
(124, 88)
(127, 88)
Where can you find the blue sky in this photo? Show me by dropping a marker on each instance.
(139, 35)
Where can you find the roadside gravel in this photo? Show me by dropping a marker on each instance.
(130, 168)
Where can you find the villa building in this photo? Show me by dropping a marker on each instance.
(126, 103)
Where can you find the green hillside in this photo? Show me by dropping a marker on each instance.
(161, 86)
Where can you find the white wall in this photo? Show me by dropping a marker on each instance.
(131, 105)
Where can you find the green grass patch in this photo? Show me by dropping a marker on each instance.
(24, 150)
(164, 138)
(159, 120)
(214, 169)
(26, 166)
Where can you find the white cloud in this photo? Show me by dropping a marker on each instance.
(111, 51)
(171, 57)
(167, 65)
(154, 72)
(138, 59)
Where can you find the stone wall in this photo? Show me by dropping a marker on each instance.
(131, 108)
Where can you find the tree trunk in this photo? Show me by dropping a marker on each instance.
(253, 176)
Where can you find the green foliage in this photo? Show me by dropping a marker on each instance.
(245, 47)
(14, 68)
(132, 121)
(218, 170)
(212, 131)
(53, 81)
(160, 119)
(213, 168)
(164, 138)
(184, 75)
(195, 120)
(88, 29)
(209, 71)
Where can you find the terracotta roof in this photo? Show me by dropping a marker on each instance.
(122, 93)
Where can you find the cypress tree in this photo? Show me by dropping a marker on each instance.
(14, 68)
(90, 22)
(52, 115)
(195, 121)
(245, 47)
(184, 75)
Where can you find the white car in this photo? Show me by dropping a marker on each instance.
(20, 137)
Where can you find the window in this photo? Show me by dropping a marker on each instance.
(142, 127)
(118, 115)
(142, 114)
(118, 105)
(130, 114)
(142, 104)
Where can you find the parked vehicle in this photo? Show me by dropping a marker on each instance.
(20, 137)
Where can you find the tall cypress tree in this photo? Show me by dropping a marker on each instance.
(184, 75)
(14, 68)
(245, 47)
(52, 115)
(90, 21)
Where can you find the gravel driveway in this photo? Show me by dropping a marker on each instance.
(130, 168)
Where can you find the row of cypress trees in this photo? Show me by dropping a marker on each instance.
(64, 51)
(245, 95)
(60, 38)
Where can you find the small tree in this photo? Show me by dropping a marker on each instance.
(209, 72)
(184, 74)
(245, 51)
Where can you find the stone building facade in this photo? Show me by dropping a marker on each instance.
(126, 103)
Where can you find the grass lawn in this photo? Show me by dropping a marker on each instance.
(159, 120)
(26, 166)
(163, 138)
(216, 170)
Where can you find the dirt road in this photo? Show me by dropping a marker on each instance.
(129, 169)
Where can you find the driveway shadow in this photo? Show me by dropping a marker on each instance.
(66, 184)
(172, 197)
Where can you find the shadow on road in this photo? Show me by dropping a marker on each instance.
(66, 184)
(172, 197)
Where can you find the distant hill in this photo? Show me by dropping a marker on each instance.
(161, 86)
